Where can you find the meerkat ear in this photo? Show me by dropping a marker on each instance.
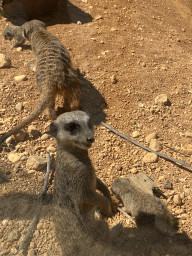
(53, 129)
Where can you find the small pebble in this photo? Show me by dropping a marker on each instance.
(4, 61)
(136, 134)
(39, 226)
(41, 179)
(13, 157)
(20, 78)
(19, 106)
(20, 136)
(133, 170)
(150, 137)
(155, 145)
(162, 99)
(150, 158)
(179, 211)
(167, 184)
(113, 79)
(45, 136)
(32, 129)
(177, 200)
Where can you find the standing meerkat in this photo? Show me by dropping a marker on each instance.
(147, 209)
(75, 196)
(54, 72)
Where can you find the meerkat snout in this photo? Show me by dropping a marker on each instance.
(73, 128)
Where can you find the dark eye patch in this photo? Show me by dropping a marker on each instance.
(72, 127)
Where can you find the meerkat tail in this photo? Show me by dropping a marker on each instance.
(43, 102)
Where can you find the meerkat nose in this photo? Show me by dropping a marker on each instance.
(90, 140)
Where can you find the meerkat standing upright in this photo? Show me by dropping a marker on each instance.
(75, 196)
(54, 73)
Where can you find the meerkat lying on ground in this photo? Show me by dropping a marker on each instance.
(147, 209)
(54, 73)
(75, 196)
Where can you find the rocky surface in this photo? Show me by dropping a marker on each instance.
(129, 53)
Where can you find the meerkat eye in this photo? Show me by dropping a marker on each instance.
(72, 127)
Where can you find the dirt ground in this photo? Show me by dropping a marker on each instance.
(146, 46)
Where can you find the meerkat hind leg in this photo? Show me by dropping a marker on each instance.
(50, 110)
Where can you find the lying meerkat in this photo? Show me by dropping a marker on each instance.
(147, 209)
(54, 73)
(75, 196)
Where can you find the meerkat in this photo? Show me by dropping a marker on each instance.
(75, 196)
(11, 32)
(147, 209)
(54, 72)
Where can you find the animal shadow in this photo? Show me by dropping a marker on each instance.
(64, 13)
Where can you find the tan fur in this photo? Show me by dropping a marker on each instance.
(54, 73)
(75, 195)
(147, 209)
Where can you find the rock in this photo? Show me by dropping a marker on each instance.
(39, 226)
(20, 136)
(133, 170)
(52, 149)
(32, 245)
(20, 78)
(31, 171)
(185, 216)
(45, 136)
(4, 61)
(13, 157)
(179, 211)
(187, 149)
(36, 163)
(119, 168)
(113, 29)
(136, 134)
(150, 158)
(9, 140)
(19, 106)
(161, 178)
(113, 79)
(5, 222)
(167, 184)
(187, 191)
(98, 17)
(162, 99)
(177, 200)
(19, 49)
(33, 131)
(14, 250)
(31, 252)
(155, 145)
(41, 179)
(150, 137)
(14, 235)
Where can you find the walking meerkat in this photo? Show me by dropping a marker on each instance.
(54, 72)
(75, 196)
(147, 209)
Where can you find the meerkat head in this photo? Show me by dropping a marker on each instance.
(7, 33)
(118, 186)
(73, 128)
(29, 26)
